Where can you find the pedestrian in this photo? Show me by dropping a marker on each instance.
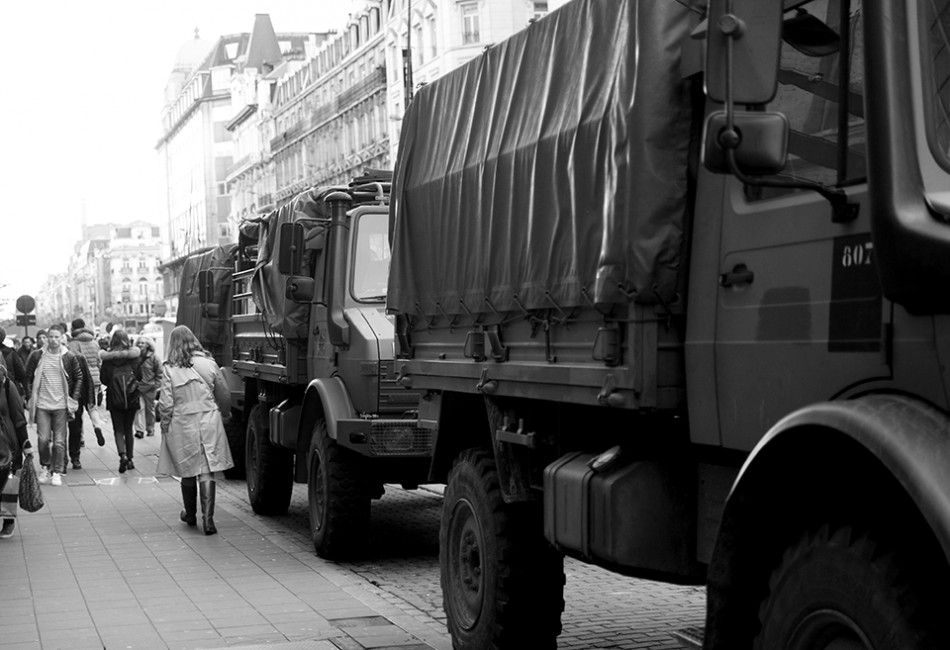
(120, 373)
(16, 369)
(55, 376)
(84, 344)
(41, 339)
(14, 442)
(151, 378)
(26, 347)
(193, 401)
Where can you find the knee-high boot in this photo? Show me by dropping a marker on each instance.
(207, 506)
(189, 498)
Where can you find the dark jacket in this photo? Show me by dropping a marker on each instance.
(88, 395)
(15, 367)
(112, 360)
(13, 434)
(71, 368)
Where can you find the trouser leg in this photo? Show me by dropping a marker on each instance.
(44, 436)
(75, 436)
(59, 420)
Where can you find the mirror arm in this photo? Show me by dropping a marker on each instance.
(729, 139)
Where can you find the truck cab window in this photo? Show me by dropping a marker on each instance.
(808, 95)
(936, 59)
(371, 258)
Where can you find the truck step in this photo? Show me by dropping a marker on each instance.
(690, 638)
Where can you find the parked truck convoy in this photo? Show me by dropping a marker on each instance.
(686, 316)
(300, 302)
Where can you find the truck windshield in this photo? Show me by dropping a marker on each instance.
(371, 257)
(935, 17)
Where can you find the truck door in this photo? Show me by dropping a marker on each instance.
(800, 316)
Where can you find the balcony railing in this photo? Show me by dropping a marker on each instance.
(369, 85)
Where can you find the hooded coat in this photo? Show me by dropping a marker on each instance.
(84, 343)
(112, 360)
(190, 405)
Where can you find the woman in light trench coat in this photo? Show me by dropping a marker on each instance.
(193, 397)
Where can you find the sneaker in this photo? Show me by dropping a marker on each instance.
(7, 531)
(123, 464)
(150, 433)
(131, 465)
(57, 479)
(99, 438)
(44, 475)
(77, 464)
(139, 434)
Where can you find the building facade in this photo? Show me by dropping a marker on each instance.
(330, 119)
(196, 150)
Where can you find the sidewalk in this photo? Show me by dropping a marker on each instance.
(107, 564)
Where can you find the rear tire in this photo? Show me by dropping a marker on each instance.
(338, 496)
(270, 469)
(502, 583)
(833, 589)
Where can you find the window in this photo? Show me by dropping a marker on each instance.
(808, 96)
(470, 23)
(371, 257)
(936, 17)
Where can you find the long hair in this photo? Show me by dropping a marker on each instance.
(120, 341)
(182, 346)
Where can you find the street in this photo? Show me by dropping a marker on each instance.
(602, 609)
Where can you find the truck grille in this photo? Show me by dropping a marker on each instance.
(400, 438)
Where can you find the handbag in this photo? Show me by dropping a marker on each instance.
(9, 497)
(31, 497)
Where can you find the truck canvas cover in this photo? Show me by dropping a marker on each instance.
(282, 315)
(211, 332)
(552, 166)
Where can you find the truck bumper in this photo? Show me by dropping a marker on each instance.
(385, 438)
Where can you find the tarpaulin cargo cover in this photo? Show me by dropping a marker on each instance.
(551, 166)
(211, 332)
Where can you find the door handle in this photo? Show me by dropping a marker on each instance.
(740, 274)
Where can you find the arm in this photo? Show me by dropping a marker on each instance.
(18, 417)
(74, 375)
(222, 393)
(166, 401)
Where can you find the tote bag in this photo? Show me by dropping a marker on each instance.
(31, 497)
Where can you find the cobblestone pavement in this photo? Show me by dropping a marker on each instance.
(603, 610)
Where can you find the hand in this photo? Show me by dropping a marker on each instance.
(28, 452)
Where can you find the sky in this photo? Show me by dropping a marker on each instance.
(80, 105)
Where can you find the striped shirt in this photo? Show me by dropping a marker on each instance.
(52, 395)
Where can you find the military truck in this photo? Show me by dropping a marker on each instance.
(314, 348)
(673, 283)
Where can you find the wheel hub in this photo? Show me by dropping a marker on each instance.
(828, 629)
(466, 565)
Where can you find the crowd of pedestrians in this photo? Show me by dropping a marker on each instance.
(52, 381)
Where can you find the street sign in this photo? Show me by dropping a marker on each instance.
(25, 304)
(26, 319)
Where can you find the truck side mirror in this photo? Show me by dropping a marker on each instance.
(762, 146)
(290, 251)
(753, 30)
(205, 287)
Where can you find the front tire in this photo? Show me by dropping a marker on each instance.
(502, 583)
(338, 496)
(270, 469)
(834, 589)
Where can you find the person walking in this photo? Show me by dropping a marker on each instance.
(25, 349)
(85, 345)
(55, 376)
(120, 372)
(151, 378)
(14, 442)
(16, 369)
(192, 404)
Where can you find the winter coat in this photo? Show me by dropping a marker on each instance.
(84, 343)
(111, 361)
(13, 434)
(190, 405)
(151, 372)
(71, 370)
